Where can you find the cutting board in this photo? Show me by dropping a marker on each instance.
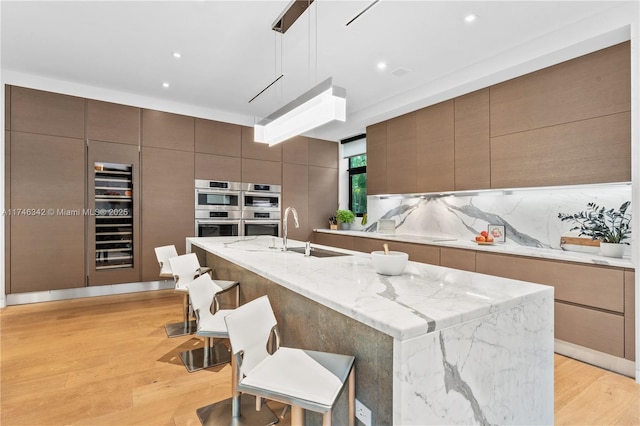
(572, 242)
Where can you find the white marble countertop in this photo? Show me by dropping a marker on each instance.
(502, 248)
(423, 299)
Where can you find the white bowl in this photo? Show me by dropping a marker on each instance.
(389, 264)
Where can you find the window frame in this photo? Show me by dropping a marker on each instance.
(355, 171)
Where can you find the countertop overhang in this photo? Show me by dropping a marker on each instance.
(425, 298)
(501, 248)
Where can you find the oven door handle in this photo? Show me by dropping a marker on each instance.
(217, 221)
(263, 221)
(217, 192)
(262, 194)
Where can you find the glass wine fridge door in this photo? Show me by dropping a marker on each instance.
(113, 216)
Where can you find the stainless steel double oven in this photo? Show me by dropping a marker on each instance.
(234, 209)
(261, 209)
(217, 212)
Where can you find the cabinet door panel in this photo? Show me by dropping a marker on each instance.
(258, 171)
(323, 196)
(435, 148)
(629, 315)
(113, 122)
(7, 205)
(377, 159)
(582, 284)
(47, 251)
(458, 258)
(259, 151)
(593, 329)
(166, 130)
(168, 200)
(296, 150)
(593, 85)
(295, 192)
(472, 144)
(323, 153)
(401, 154)
(122, 154)
(218, 167)
(589, 151)
(46, 113)
(215, 137)
(334, 240)
(7, 107)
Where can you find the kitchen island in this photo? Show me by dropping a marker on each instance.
(433, 346)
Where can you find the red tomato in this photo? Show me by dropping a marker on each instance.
(480, 238)
(489, 239)
(484, 234)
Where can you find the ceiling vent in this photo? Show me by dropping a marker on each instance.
(400, 72)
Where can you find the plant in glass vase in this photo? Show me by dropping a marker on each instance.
(610, 226)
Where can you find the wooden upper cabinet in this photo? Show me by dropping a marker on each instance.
(46, 113)
(215, 137)
(323, 153)
(296, 150)
(401, 154)
(472, 143)
(167, 130)
(593, 85)
(377, 159)
(296, 193)
(597, 150)
(257, 150)
(323, 199)
(435, 148)
(7, 107)
(110, 122)
(218, 167)
(261, 172)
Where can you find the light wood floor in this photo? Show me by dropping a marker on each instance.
(107, 361)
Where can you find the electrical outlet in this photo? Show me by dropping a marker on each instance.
(363, 413)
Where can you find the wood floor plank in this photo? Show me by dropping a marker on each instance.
(107, 361)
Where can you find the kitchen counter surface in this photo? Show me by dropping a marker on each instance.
(424, 299)
(466, 348)
(502, 248)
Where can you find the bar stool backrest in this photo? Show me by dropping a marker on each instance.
(163, 254)
(202, 290)
(250, 327)
(185, 269)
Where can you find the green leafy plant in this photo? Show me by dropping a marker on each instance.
(345, 216)
(609, 226)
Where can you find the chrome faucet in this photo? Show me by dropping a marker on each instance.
(284, 224)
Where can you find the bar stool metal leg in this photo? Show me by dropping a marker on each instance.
(185, 327)
(239, 410)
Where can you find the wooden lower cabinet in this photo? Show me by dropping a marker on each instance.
(334, 240)
(417, 252)
(458, 258)
(591, 328)
(46, 246)
(629, 315)
(167, 204)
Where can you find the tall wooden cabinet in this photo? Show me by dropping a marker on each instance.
(435, 148)
(472, 159)
(377, 159)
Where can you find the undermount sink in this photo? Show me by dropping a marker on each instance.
(318, 252)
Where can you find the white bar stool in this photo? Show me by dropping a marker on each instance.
(307, 380)
(163, 254)
(186, 268)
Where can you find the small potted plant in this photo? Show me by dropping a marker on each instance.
(345, 217)
(611, 226)
(333, 222)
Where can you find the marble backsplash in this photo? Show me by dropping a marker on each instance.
(530, 216)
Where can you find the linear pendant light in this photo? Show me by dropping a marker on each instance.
(318, 106)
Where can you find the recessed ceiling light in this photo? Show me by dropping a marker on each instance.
(165, 85)
(177, 55)
(470, 17)
(382, 65)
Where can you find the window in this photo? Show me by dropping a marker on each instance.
(358, 184)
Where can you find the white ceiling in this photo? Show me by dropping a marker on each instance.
(229, 52)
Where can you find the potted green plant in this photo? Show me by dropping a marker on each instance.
(611, 226)
(345, 217)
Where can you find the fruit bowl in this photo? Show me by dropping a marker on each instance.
(389, 264)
